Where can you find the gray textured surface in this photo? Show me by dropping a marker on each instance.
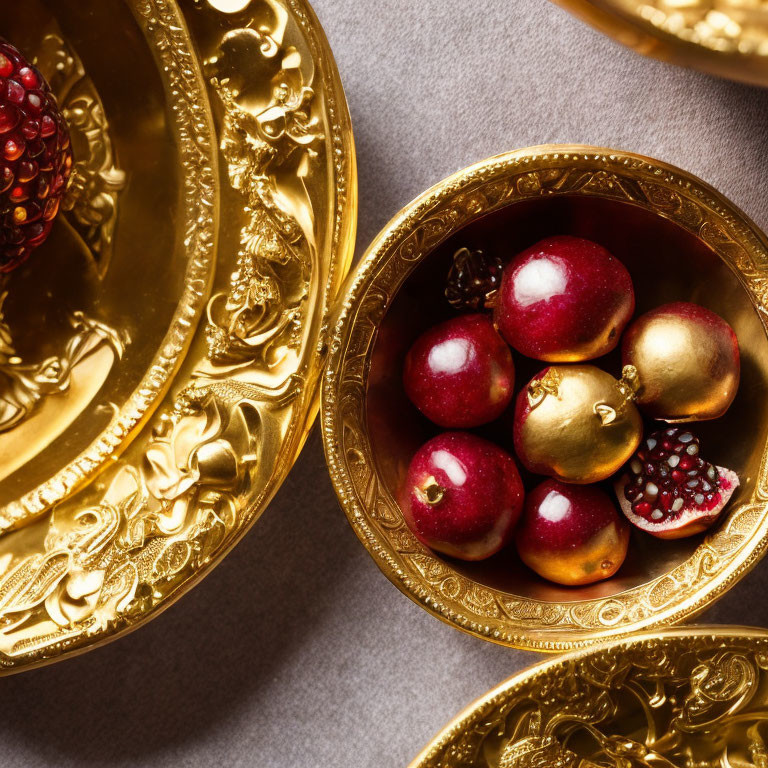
(296, 651)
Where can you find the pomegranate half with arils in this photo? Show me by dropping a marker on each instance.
(35, 157)
(571, 534)
(670, 490)
(687, 358)
(564, 299)
(462, 496)
(459, 373)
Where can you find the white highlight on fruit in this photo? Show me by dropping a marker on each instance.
(657, 514)
(451, 466)
(636, 466)
(555, 507)
(539, 280)
(692, 449)
(651, 489)
(673, 460)
(229, 6)
(677, 505)
(651, 443)
(450, 356)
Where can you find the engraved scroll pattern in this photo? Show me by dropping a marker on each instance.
(660, 703)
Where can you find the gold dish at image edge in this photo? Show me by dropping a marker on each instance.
(673, 587)
(723, 37)
(666, 699)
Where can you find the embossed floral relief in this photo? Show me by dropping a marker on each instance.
(665, 703)
(270, 142)
(104, 561)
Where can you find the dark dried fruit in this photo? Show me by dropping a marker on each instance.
(473, 279)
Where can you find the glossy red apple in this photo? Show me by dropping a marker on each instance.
(564, 299)
(571, 534)
(460, 373)
(462, 496)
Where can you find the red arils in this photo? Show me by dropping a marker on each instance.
(6, 66)
(35, 158)
(669, 490)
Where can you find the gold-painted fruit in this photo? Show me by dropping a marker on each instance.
(687, 359)
(571, 534)
(577, 423)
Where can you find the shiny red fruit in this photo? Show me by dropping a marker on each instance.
(564, 299)
(35, 157)
(571, 534)
(462, 496)
(460, 373)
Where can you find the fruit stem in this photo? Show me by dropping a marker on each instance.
(629, 383)
(548, 384)
(431, 492)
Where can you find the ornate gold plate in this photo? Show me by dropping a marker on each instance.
(160, 355)
(724, 37)
(695, 697)
(680, 239)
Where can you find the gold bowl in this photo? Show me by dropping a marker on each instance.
(680, 239)
(159, 366)
(681, 697)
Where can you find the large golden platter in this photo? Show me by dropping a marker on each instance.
(160, 355)
(696, 697)
(724, 37)
(680, 239)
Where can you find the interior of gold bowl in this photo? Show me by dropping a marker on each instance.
(100, 302)
(667, 263)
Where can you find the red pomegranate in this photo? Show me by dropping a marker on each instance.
(460, 373)
(35, 157)
(571, 534)
(462, 496)
(564, 299)
(669, 490)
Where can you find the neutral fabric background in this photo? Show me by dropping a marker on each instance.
(297, 651)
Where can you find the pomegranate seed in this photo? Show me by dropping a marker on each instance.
(9, 117)
(47, 127)
(13, 149)
(6, 66)
(31, 129)
(28, 78)
(14, 92)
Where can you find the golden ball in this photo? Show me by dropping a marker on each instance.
(577, 423)
(687, 359)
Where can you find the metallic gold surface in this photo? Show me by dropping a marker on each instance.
(216, 183)
(694, 697)
(702, 382)
(658, 218)
(724, 37)
(581, 423)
